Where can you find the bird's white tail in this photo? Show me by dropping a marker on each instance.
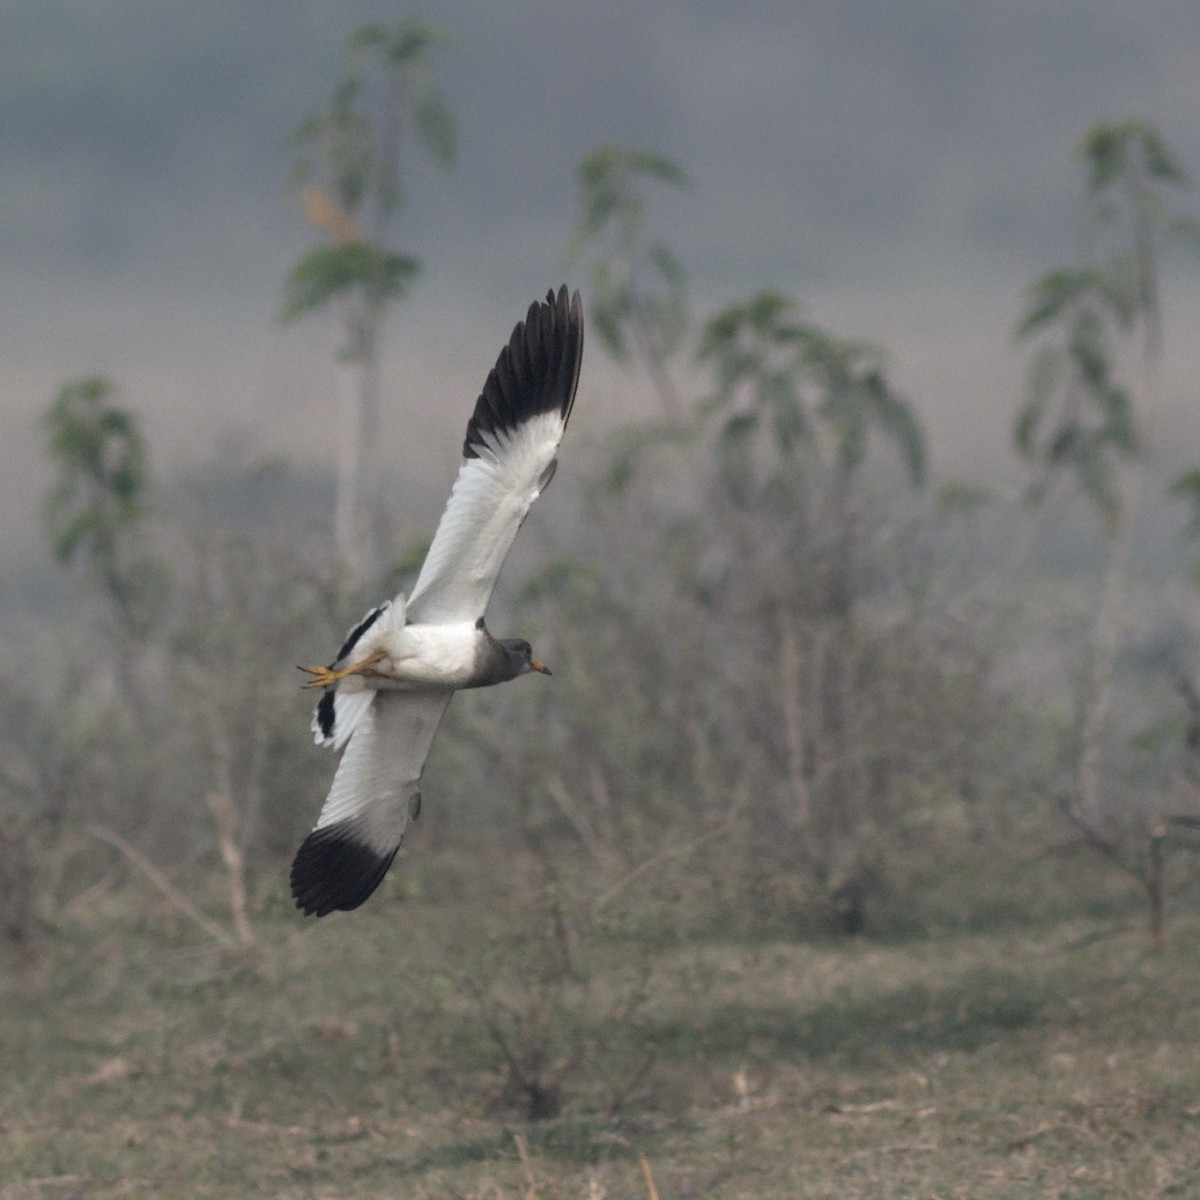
(339, 713)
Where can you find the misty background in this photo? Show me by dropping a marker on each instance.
(904, 169)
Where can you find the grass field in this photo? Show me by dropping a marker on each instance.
(351, 1058)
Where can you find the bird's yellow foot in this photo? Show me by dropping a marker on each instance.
(327, 676)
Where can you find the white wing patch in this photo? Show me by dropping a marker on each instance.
(491, 498)
(379, 775)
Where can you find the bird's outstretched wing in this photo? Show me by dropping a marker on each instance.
(508, 458)
(375, 792)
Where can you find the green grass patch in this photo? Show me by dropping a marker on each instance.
(349, 1058)
(962, 1014)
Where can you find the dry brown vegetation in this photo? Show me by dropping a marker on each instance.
(783, 886)
(352, 1057)
(611, 963)
(768, 892)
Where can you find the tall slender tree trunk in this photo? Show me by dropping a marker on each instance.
(356, 382)
(348, 387)
(1111, 609)
(370, 457)
(1106, 637)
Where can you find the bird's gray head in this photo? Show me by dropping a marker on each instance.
(519, 655)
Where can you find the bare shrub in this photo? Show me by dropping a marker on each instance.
(726, 743)
(551, 1010)
(18, 886)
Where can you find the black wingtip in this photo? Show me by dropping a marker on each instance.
(336, 869)
(537, 372)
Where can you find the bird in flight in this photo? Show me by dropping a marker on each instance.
(385, 693)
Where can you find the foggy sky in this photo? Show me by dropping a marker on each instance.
(904, 168)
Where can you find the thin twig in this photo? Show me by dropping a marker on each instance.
(164, 885)
(557, 791)
(672, 851)
(526, 1164)
(793, 719)
(649, 1177)
(220, 804)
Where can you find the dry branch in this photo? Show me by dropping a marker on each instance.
(172, 894)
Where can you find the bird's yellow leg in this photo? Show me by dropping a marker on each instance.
(327, 676)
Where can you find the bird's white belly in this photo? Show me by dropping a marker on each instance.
(425, 656)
